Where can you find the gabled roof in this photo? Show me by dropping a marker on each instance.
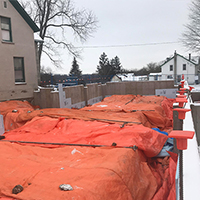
(24, 15)
(126, 77)
(117, 77)
(181, 57)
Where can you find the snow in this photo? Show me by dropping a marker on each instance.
(37, 38)
(191, 161)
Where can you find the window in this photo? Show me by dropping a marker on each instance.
(5, 4)
(171, 68)
(6, 29)
(170, 77)
(19, 69)
(184, 66)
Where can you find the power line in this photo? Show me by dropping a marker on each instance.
(128, 45)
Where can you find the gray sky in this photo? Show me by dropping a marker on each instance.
(130, 26)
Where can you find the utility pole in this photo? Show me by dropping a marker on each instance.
(175, 68)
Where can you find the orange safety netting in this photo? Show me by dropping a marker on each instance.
(97, 173)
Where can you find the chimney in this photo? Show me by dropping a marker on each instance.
(189, 56)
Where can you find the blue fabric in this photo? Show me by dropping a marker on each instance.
(168, 146)
(163, 132)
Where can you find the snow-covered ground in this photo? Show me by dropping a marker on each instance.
(191, 161)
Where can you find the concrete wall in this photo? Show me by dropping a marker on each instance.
(93, 93)
(22, 46)
(196, 116)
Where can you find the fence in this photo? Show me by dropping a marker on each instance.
(81, 96)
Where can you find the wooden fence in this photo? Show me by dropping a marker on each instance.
(81, 96)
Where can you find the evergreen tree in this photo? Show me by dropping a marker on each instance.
(75, 71)
(116, 65)
(103, 67)
(106, 67)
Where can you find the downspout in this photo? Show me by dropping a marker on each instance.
(37, 62)
(175, 68)
(38, 43)
(198, 70)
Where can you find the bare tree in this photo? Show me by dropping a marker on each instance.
(55, 18)
(191, 35)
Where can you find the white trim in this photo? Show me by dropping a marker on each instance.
(20, 83)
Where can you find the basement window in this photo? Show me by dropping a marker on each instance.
(19, 69)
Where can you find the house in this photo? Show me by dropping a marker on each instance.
(116, 78)
(141, 78)
(155, 76)
(18, 66)
(123, 77)
(174, 67)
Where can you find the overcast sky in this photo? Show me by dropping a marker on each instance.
(137, 30)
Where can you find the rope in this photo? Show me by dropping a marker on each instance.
(67, 144)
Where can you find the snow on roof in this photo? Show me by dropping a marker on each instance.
(126, 77)
(37, 38)
(155, 74)
(192, 59)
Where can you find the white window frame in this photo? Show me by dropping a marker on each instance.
(6, 29)
(19, 69)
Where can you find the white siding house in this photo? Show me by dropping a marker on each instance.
(174, 67)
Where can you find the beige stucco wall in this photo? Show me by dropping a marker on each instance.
(22, 46)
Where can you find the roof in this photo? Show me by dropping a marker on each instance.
(24, 15)
(116, 76)
(181, 57)
(155, 74)
(126, 77)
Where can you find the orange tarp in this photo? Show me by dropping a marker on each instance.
(129, 103)
(94, 173)
(150, 111)
(46, 129)
(157, 109)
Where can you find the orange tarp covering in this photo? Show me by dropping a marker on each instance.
(150, 111)
(94, 173)
(156, 109)
(45, 129)
(129, 103)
